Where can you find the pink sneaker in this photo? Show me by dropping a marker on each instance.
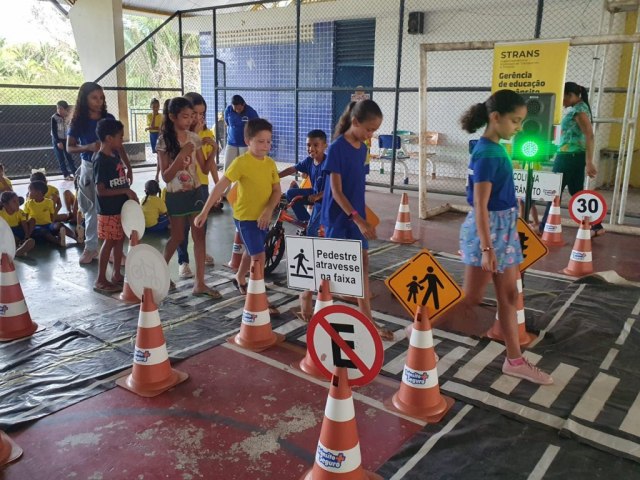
(88, 256)
(527, 371)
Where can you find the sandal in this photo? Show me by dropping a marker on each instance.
(118, 281)
(302, 317)
(385, 333)
(211, 293)
(241, 288)
(106, 288)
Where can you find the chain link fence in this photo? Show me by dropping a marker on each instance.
(299, 65)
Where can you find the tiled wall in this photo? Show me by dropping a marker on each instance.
(273, 65)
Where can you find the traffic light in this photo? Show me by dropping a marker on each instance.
(534, 141)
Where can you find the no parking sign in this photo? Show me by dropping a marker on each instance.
(340, 336)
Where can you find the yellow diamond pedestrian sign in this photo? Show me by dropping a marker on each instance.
(423, 281)
(532, 247)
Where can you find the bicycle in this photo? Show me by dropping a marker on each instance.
(274, 244)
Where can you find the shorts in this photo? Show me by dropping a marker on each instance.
(18, 232)
(183, 204)
(39, 231)
(504, 238)
(110, 227)
(347, 229)
(252, 236)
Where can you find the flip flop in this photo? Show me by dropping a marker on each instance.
(211, 293)
(107, 289)
(301, 316)
(241, 288)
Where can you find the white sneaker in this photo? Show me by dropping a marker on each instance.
(208, 260)
(25, 247)
(184, 271)
(80, 234)
(63, 237)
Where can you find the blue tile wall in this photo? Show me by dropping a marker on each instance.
(273, 65)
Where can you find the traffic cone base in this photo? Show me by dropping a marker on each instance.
(307, 366)
(256, 346)
(9, 450)
(581, 259)
(15, 320)
(151, 374)
(419, 393)
(127, 295)
(361, 475)
(552, 234)
(402, 232)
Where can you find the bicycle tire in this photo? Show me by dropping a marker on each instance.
(273, 249)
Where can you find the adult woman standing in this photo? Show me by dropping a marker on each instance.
(236, 117)
(575, 153)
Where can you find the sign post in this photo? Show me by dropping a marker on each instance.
(532, 247)
(311, 260)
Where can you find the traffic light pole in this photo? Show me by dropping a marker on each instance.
(528, 191)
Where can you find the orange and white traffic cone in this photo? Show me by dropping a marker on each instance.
(127, 295)
(324, 300)
(580, 261)
(419, 394)
(338, 452)
(255, 331)
(524, 337)
(15, 321)
(402, 232)
(236, 252)
(552, 235)
(9, 451)
(152, 373)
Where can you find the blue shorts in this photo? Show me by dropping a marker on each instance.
(40, 230)
(504, 238)
(18, 231)
(346, 229)
(252, 237)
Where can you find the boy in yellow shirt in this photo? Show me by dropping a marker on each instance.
(42, 210)
(15, 218)
(258, 194)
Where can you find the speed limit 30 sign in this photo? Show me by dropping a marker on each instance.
(588, 203)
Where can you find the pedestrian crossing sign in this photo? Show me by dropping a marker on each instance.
(423, 281)
(532, 247)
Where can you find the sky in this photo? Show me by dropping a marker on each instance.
(18, 24)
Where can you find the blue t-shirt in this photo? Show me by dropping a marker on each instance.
(235, 124)
(86, 135)
(350, 162)
(315, 172)
(491, 163)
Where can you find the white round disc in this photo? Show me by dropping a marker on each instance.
(7, 241)
(132, 218)
(146, 268)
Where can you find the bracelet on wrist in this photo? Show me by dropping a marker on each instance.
(487, 249)
(353, 214)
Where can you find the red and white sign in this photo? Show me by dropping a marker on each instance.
(588, 203)
(340, 336)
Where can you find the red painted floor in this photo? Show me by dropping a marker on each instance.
(234, 418)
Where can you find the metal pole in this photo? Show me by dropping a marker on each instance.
(422, 159)
(296, 118)
(216, 105)
(539, 13)
(180, 46)
(397, 98)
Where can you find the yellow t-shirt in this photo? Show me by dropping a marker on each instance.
(255, 183)
(52, 192)
(5, 184)
(154, 123)
(12, 219)
(206, 151)
(152, 208)
(42, 211)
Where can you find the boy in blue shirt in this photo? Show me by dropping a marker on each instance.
(311, 166)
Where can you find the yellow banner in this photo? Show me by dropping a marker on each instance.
(532, 67)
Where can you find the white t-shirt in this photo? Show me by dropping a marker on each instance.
(186, 179)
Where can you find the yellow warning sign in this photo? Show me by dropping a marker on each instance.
(422, 281)
(532, 247)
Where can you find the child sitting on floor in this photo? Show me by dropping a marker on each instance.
(154, 208)
(21, 227)
(42, 211)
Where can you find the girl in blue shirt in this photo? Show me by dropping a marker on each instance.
(343, 209)
(489, 239)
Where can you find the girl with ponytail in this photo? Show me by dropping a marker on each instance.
(489, 240)
(575, 153)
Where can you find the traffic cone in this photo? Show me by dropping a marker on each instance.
(9, 451)
(324, 300)
(338, 452)
(580, 261)
(255, 330)
(152, 373)
(236, 252)
(524, 337)
(15, 321)
(552, 235)
(127, 295)
(402, 232)
(419, 394)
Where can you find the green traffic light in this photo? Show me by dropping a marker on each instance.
(529, 149)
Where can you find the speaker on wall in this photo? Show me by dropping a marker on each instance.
(415, 25)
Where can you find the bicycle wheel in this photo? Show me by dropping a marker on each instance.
(273, 249)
